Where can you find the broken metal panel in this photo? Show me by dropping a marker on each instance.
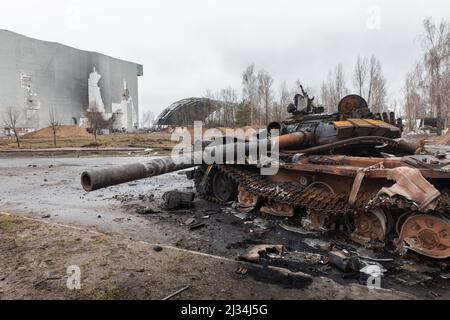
(247, 201)
(344, 261)
(279, 209)
(413, 186)
(351, 166)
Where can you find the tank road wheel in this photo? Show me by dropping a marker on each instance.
(426, 234)
(223, 188)
(401, 221)
(318, 217)
(370, 226)
(247, 200)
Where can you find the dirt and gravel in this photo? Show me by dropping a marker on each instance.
(63, 131)
(76, 137)
(120, 225)
(36, 256)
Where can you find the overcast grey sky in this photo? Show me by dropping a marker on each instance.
(187, 47)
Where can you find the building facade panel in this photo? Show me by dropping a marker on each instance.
(59, 79)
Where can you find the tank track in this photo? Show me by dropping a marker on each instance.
(292, 193)
(313, 198)
(363, 221)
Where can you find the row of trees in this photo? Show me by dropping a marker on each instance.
(367, 80)
(259, 103)
(426, 92)
(262, 103)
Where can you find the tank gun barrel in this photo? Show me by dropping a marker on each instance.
(101, 178)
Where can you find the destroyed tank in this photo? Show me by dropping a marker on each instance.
(347, 171)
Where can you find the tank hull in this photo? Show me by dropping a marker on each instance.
(369, 198)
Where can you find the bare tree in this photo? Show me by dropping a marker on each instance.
(325, 96)
(370, 83)
(446, 95)
(147, 119)
(427, 87)
(360, 75)
(228, 99)
(377, 90)
(213, 115)
(95, 119)
(415, 98)
(250, 91)
(436, 61)
(334, 88)
(265, 93)
(53, 122)
(339, 80)
(10, 120)
(242, 114)
(280, 106)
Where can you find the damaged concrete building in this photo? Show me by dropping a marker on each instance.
(38, 76)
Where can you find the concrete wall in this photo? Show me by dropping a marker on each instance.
(60, 77)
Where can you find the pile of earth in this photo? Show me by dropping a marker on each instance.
(63, 131)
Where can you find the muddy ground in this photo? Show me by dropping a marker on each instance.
(123, 264)
(36, 256)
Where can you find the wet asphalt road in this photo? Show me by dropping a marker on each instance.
(50, 188)
(39, 187)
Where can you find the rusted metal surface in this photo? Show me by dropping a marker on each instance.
(323, 192)
(316, 220)
(348, 143)
(369, 226)
(412, 185)
(292, 140)
(351, 103)
(324, 208)
(426, 234)
(247, 201)
(350, 166)
(279, 209)
(358, 181)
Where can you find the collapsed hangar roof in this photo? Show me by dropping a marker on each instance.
(186, 111)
